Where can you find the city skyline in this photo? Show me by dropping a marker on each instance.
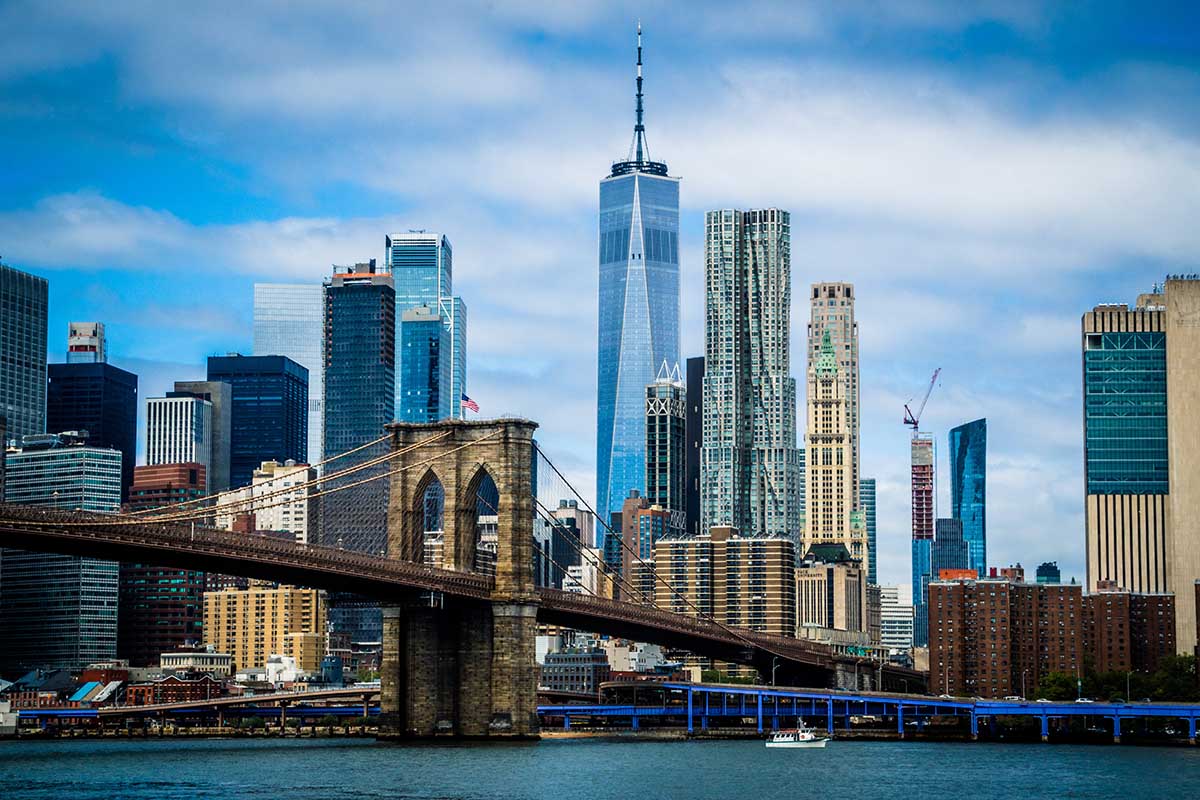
(1039, 284)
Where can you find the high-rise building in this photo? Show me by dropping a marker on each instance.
(831, 594)
(85, 343)
(1141, 468)
(269, 415)
(1048, 572)
(277, 500)
(922, 531)
(161, 608)
(866, 501)
(178, 430)
(264, 620)
(24, 304)
(220, 395)
(638, 308)
(571, 515)
(425, 367)
(750, 465)
(694, 425)
(421, 265)
(59, 611)
(289, 320)
(832, 312)
(968, 488)
(98, 398)
(830, 506)
(896, 620)
(666, 447)
(950, 550)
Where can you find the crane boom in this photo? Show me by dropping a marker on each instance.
(914, 420)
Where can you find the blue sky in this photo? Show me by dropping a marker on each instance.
(983, 172)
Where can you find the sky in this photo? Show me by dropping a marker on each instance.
(983, 173)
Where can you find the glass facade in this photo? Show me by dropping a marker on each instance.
(268, 411)
(24, 305)
(968, 489)
(425, 393)
(950, 550)
(866, 498)
(289, 320)
(100, 399)
(666, 446)
(1125, 413)
(922, 563)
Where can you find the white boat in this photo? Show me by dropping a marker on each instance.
(799, 737)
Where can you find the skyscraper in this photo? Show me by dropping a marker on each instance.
(866, 500)
(98, 398)
(421, 264)
(922, 532)
(968, 488)
(694, 424)
(289, 320)
(666, 446)
(85, 343)
(638, 307)
(220, 395)
(750, 465)
(24, 304)
(425, 367)
(1142, 477)
(269, 411)
(832, 311)
(950, 550)
(178, 430)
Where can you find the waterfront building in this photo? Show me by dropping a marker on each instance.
(1048, 572)
(289, 320)
(425, 367)
(896, 620)
(832, 312)
(923, 465)
(638, 307)
(264, 620)
(666, 447)
(750, 465)
(269, 411)
(866, 502)
(220, 395)
(1127, 631)
(831, 593)
(174, 689)
(179, 430)
(576, 669)
(968, 488)
(85, 343)
(24, 303)
(57, 611)
(694, 428)
(1141, 469)
(99, 399)
(190, 662)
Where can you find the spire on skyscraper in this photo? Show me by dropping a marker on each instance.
(638, 159)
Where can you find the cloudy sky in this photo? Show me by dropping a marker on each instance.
(983, 175)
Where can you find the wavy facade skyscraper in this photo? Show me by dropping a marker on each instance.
(638, 307)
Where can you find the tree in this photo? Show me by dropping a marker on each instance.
(1057, 686)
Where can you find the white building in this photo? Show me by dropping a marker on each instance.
(896, 626)
(178, 430)
(278, 498)
(212, 663)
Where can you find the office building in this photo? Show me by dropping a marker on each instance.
(99, 399)
(638, 308)
(866, 502)
(896, 620)
(750, 465)
(421, 265)
(1048, 572)
(425, 367)
(85, 343)
(694, 427)
(576, 669)
(950, 551)
(832, 313)
(57, 611)
(831, 594)
(269, 411)
(289, 320)
(265, 620)
(666, 447)
(923, 470)
(179, 430)
(830, 508)
(968, 488)
(572, 516)
(3, 448)
(220, 395)
(24, 304)
(1142, 477)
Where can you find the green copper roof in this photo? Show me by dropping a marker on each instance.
(827, 360)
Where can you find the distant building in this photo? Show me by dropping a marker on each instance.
(58, 611)
(949, 551)
(100, 399)
(197, 661)
(694, 427)
(575, 670)
(289, 320)
(866, 502)
(269, 414)
(896, 632)
(252, 624)
(923, 471)
(968, 488)
(666, 447)
(85, 343)
(179, 430)
(277, 500)
(425, 367)
(220, 395)
(24, 300)
(174, 689)
(831, 593)
(1014, 573)
(1048, 572)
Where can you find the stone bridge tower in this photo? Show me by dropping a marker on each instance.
(454, 666)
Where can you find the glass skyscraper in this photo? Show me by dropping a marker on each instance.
(24, 304)
(968, 489)
(98, 398)
(289, 320)
(866, 499)
(666, 447)
(638, 308)
(424, 366)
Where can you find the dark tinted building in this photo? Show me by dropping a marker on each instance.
(100, 399)
(949, 551)
(269, 416)
(694, 425)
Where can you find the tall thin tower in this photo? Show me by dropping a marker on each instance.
(638, 306)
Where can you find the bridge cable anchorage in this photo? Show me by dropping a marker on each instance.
(206, 498)
(236, 506)
(699, 612)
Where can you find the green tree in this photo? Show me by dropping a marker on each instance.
(329, 721)
(1175, 680)
(1057, 686)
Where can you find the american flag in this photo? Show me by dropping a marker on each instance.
(470, 404)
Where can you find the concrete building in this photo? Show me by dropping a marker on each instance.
(575, 670)
(694, 427)
(264, 620)
(193, 661)
(85, 343)
(220, 395)
(968, 489)
(278, 499)
(1141, 468)
(896, 620)
(832, 313)
(923, 465)
(58, 611)
(750, 465)
(99, 399)
(179, 430)
(24, 303)
(289, 320)
(831, 594)
(666, 447)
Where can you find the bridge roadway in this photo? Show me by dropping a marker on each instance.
(189, 546)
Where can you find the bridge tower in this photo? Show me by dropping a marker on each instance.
(455, 666)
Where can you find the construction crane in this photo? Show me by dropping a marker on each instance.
(914, 420)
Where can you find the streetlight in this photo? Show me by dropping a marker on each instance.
(1023, 672)
(1128, 675)
(774, 666)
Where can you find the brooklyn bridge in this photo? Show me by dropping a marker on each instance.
(458, 644)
